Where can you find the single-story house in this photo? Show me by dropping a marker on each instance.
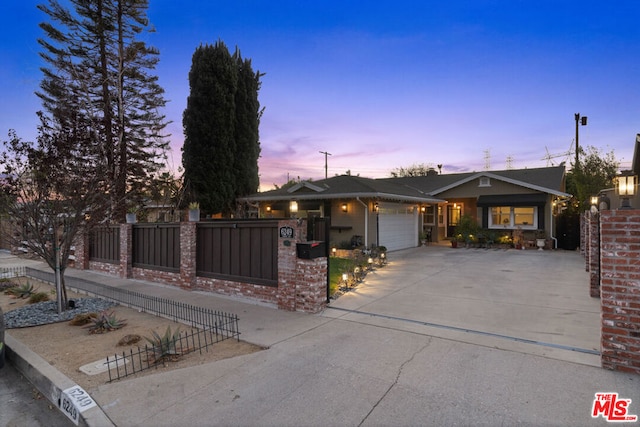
(394, 211)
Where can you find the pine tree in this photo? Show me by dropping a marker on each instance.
(98, 76)
(221, 147)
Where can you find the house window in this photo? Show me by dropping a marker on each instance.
(430, 215)
(525, 217)
(501, 215)
(484, 182)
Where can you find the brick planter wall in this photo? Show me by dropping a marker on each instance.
(620, 290)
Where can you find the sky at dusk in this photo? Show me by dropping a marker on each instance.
(384, 84)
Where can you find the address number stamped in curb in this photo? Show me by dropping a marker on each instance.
(73, 401)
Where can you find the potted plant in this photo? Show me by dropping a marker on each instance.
(194, 211)
(131, 215)
(423, 238)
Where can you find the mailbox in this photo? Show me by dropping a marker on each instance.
(311, 250)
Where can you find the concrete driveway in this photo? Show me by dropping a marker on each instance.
(530, 301)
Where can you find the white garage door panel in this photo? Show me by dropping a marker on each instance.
(398, 227)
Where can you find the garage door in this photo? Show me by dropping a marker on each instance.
(398, 226)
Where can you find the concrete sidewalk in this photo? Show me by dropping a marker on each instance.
(376, 357)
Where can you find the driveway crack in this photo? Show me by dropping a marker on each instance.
(395, 381)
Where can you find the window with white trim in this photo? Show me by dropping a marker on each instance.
(525, 217)
(430, 215)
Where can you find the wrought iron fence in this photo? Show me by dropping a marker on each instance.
(166, 348)
(9, 272)
(224, 324)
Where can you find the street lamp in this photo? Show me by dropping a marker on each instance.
(626, 186)
(579, 120)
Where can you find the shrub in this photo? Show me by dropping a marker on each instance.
(83, 319)
(38, 297)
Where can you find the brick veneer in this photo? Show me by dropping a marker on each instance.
(620, 289)
(301, 282)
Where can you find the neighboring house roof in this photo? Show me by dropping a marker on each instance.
(345, 186)
(546, 180)
(424, 189)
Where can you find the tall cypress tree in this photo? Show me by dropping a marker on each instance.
(248, 115)
(221, 147)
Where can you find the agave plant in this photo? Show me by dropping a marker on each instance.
(104, 322)
(164, 347)
(23, 291)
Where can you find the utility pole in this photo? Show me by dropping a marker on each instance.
(326, 173)
(583, 121)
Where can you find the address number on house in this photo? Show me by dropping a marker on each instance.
(73, 401)
(286, 232)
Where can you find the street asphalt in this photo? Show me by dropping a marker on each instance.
(438, 337)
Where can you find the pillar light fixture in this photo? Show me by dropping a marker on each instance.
(594, 204)
(344, 207)
(626, 187)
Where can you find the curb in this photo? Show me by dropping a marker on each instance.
(48, 380)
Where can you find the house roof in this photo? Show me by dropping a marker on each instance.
(346, 186)
(546, 180)
(423, 189)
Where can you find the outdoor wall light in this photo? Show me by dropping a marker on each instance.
(423, 209)
(626, 187)
(293, 206)
(344, 207)
(375, 207)
(269, 209)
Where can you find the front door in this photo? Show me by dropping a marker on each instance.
(454, 211)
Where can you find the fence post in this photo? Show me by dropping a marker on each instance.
(620, 289)
(287, 261)
(188, 245)
(126, 251)
(593, 253)
(81, 251)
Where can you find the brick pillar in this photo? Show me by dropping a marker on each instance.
(287, 261)
(585, 238)
(126, 251)
(583, 231)
(593, 250)
(311, 284)
(620, 289)
(188, 254)
(81, 252)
